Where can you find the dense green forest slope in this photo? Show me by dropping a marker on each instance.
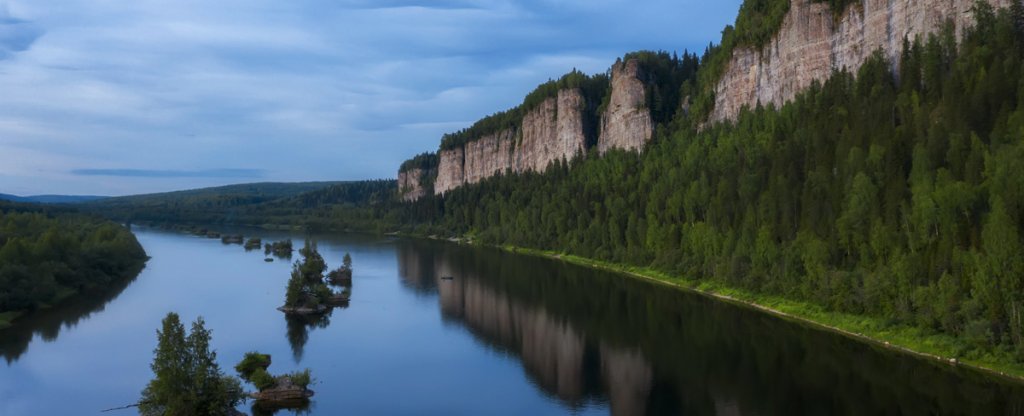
(321, 205)
(47, 254)
(901, 200)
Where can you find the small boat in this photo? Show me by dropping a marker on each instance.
(268, 259)
(447, 278)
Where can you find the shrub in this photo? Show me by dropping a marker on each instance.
(250, 363)
(301, 378)
(262, 379)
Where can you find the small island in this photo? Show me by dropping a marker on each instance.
(343, 275)
(307, 292)
(274, 392)
(253, 244)
(281, 249)
(232, 239)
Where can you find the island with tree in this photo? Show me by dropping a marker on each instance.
(307, 291)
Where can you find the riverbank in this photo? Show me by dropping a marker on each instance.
(938, 348)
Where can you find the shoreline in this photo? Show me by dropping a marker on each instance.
(935, 348)
(791, 311)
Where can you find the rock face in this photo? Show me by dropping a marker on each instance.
(488, 156)
(450, 173)
(410, 184)
(626, 122)
(550, 132)
(812, 43)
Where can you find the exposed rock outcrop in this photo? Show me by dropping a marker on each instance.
(410, 184)
(626, 122)
(552, 131)
(488, 156)
(450, 173)
(812, 43)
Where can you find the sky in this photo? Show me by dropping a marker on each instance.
(118, 97)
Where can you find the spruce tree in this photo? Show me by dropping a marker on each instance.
(187, 379)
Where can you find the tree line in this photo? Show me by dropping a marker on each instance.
(47, 253)
(902, 200)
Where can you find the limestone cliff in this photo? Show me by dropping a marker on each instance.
(416, 177)
(812, 43)
(552, 131)
(410, 184)
(450, 173)
(626, 123)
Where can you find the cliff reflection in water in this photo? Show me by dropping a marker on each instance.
(587, 336)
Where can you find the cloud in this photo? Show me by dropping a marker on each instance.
(314, 90)
(147, 173)
(16, 35)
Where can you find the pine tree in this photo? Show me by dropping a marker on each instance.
(188, 380)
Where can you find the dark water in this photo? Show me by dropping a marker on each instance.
(507, 335)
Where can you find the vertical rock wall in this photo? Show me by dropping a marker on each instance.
(410, 184)
(626, 122)
(811, 44)
(450, 173)
(550, 132)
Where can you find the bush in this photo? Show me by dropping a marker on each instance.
(262, 379)
(301, 378)
(250, 363)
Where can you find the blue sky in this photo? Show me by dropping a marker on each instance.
(115, 97)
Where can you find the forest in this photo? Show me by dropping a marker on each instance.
(50, 253)
(901, 200)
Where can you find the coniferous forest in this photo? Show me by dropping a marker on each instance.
(897, 195)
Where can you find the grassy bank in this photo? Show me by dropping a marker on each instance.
(912, 340)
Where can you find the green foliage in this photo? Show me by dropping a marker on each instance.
(424, 161)
(306, 287)
(262, 379)
(47, 251)
(301, 378)
(346, 262)
(250, 363)
(187, 379)
(249, 204)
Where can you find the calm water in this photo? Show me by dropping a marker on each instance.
(508, 335)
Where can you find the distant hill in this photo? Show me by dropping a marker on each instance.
(241, 194)
(51, 199)
(254, 203)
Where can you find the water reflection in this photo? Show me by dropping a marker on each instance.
(14, 341)
(299, 326)
(584, 336)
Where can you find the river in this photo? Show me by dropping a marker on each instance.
(506, 335)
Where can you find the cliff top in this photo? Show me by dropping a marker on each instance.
(423, 161)
(511, 118)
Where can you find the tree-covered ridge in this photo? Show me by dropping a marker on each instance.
(47, 253)
(208, 207)
(903, 201)
(591, 86)
(422, 161)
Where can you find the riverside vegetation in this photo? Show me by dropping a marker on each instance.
(888, 203)
(48, 254)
